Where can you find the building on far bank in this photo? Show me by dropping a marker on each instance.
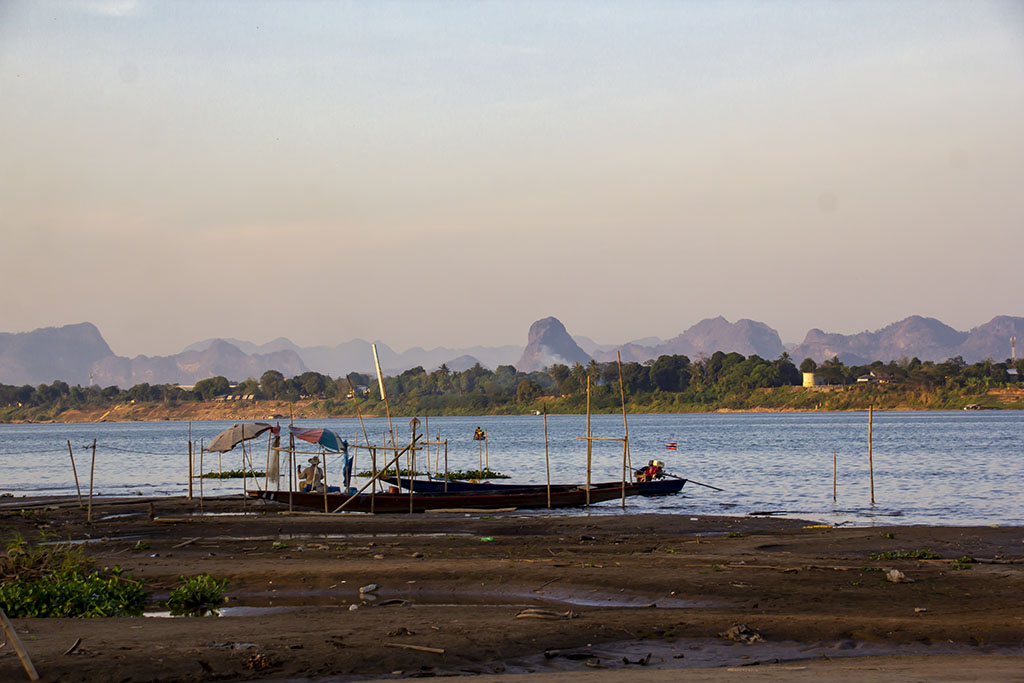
(812, 379)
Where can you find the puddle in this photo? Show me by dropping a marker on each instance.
(102, 539)
(708, 652)
(254, 603)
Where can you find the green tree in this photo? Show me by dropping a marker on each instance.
(214, 386)
(271, 384)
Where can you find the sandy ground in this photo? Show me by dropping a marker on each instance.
(623, 597)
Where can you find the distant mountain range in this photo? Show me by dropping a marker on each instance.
(78, 354)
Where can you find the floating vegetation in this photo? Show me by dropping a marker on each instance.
(487, 473)
(197, 595)
(391, 473)
(906, 555)
(233, 474)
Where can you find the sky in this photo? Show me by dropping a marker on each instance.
(446, 173)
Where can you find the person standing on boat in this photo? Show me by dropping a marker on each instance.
(311, 478)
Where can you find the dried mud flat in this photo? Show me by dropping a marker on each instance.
(561, 596)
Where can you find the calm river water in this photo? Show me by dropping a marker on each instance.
(930, 467)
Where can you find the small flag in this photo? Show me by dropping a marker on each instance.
(671, 445)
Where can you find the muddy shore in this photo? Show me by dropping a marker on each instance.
(605, 590)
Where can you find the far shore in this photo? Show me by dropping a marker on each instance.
(266, 410)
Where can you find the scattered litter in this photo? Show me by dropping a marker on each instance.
(418, 648)
(919, 610)
(896, 576)
(588, 538)
(417, 554)
(742, 633)
(643, 661)
(393, 601)
(368, 588)
(400, 631)
(487, 539)
(353, 608)
(234, 646)
(378, 557)
(258, 662)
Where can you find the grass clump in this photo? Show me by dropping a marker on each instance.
(906, 555)
(197, 595)
(58, 581)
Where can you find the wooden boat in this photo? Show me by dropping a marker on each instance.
(658, 487)
(575, 496)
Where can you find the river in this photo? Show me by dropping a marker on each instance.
(951, 468)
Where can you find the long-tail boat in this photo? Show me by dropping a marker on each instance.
(575, 496)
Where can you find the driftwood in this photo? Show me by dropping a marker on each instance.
(74, 647)
(472, 510)
(418, 648)
(185, 543)
(12, 636)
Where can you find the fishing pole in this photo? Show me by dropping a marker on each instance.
(695, 482)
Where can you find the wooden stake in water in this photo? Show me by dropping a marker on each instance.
(871, 464)
(92, 472)
(323, 452)
(446, 465)
(202, 452)
(625, 427)
(75, 472)
(589, 442)
(191, 461)
(833, 476)
(547, 459)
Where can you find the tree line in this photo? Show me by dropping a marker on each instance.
(670, 380)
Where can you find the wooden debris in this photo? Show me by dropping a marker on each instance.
(185, 543)
(418, 648)
(74, 647)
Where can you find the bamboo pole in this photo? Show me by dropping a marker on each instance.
(547, 459)
(92, 472)
(12, 636)
(266, 470)
(487, 456)
(589, 442)
(324, 451)
(625, 427)
(244, 477)
(871, 464)
(202, 450)
(412, 463)
(834, 465)
(446, 465)
(191, 460)
(75, 472)
(384, 396)
(437, 453)
(365, 486)
(291, 455)
(373, 472)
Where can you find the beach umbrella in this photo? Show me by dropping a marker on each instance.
(236, 434)
(330, 441)
(321, 437)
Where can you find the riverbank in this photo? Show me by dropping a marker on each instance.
(609, 587)
(777, 400)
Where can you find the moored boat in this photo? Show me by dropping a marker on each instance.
(575, 496)
(656, 487)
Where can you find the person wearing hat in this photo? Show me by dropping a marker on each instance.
(311, 478)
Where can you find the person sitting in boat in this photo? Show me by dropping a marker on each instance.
(311, 478)
(479, 435)
(654, 470)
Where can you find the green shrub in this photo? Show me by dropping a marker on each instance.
(197, 595)
(72, 593)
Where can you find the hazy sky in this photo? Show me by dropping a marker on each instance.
(445, 173)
